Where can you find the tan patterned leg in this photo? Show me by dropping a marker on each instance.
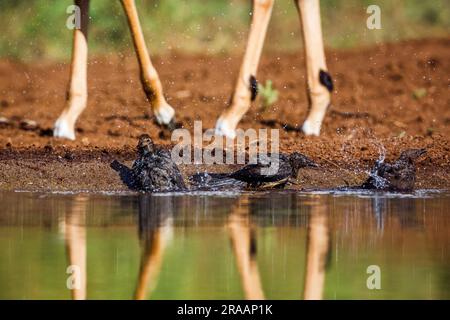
(77, 92)
(149, 77)
(319, 82)
(240, 103)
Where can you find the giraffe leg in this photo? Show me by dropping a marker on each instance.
(149, 77)
(240, 103)
(77, 92)
(319, 81)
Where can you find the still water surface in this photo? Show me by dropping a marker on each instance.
(282, 245)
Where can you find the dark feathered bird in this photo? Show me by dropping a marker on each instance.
(398, 176)
(154, 169)
(258, 175)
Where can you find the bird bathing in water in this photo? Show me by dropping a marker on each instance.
(152, 171)
(397, 176)
(257, 175)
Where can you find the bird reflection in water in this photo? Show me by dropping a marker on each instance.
(155, 227)
(155, 230)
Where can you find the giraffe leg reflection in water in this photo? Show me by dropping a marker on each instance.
(242, 234)
(317, 254)
(243, 240)
(74, 226)
(155, 228)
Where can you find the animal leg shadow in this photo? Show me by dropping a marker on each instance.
(125, 173)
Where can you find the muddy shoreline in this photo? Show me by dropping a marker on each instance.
(63, 171)
(388, 98)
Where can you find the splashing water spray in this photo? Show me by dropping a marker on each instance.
(380, 182)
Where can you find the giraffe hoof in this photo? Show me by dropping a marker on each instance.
(63, 130)
(310, 128)
(164, 115)
(223, 129)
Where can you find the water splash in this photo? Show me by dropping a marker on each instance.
(378, 181)
(381, 152)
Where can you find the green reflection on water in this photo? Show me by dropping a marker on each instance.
(195, 246)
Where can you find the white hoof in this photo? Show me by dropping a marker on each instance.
(224, 129)
(311, 128)
(63, 130)
(164, 114)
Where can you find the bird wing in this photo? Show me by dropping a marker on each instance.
(157, 172)
(252, 173)
(215, 181)
(174, 172)
(402, 176)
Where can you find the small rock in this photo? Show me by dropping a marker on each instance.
(48, 132)
(85, 141)
(48, 148)
(4, 122)
(30, 125)
(114, 133)
(69, 156)
(182, 94)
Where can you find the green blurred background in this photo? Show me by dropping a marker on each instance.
(35, 28)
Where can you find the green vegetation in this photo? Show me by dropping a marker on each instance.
(419, 93)
(267, 94)
(33, 29)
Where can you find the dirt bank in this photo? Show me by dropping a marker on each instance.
(392, 96)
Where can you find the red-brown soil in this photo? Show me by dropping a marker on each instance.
(392, 96)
